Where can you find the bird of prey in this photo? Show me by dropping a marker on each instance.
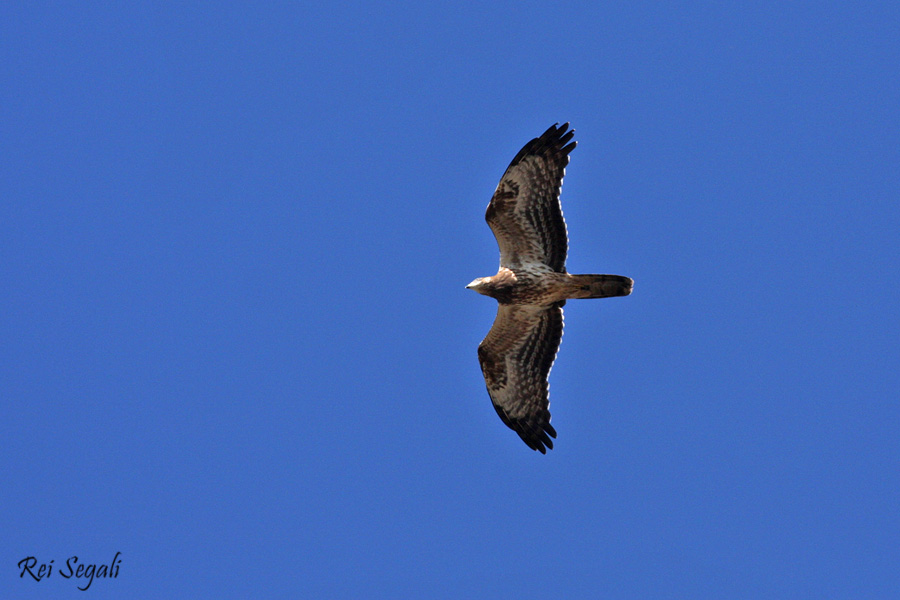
(532, 286)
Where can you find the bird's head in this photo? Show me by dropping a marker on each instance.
(479, 285)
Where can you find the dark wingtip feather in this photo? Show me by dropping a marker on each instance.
(555, 138)
(535, 432)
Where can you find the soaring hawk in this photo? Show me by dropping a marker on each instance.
(532, 286)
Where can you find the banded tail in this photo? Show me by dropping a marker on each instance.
(599, 286)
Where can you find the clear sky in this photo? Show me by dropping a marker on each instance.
(237, 347)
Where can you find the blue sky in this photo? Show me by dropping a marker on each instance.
(234, 241)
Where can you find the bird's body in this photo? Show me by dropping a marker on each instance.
(532, 286)
(544, 288)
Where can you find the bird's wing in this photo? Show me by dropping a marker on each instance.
(516, 357)
(524, 213)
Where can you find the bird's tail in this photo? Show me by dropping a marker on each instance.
(599, 286)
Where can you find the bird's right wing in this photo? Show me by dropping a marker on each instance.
(516, 357)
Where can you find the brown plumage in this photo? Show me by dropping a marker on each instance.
(532, 286)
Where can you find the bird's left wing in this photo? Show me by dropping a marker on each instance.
(524, 213)
(516, 357)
